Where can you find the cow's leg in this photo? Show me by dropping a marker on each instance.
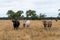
(45, 26)
(24, 25)
(27, 25)
(49, 26)
(14, 26)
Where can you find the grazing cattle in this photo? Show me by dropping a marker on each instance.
(45, 24)
(26, 23)
(56, 20)
(15, 24)
(49, 24)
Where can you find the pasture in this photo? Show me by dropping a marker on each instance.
(34, 32)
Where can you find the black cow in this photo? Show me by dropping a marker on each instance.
(15, 24)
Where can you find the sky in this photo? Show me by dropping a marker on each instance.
(48, 7)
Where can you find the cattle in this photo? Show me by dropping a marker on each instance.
(26, 23)
(56, 20)
(47, 24)
(15, 24)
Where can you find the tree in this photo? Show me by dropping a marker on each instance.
(18, 14)
(58, 13)
(14, 15)
(10, 14)
(58, 9)
(30, 13)
(22, 17)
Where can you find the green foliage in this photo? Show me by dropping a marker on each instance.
(58, 9)
(58, 15)
(30, 13)
(14, 15)
(10, 13)
(18, 13)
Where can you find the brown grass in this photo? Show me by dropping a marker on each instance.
(34, 32)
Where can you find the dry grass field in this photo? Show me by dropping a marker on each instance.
(34, 32)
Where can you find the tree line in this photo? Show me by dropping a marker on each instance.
(30, 14)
